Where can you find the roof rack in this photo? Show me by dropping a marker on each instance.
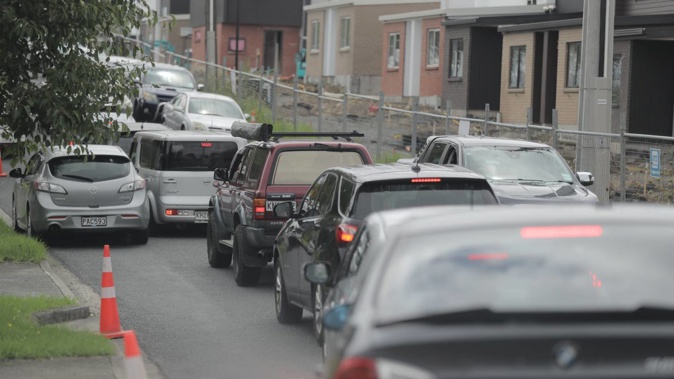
(264, 133)
(334, 135)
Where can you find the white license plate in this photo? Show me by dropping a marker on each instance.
(271, 204)
(201, 215)
(94, 221)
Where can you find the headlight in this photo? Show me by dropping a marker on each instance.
(198, 126)
(49, 187)
(150, 97)
(133, 186)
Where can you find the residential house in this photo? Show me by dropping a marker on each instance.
(167, 34)
(643, 80)
(344, 40)
(263, 26)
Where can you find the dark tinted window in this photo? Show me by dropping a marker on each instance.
(149, 153)
(257, 164)
(379, 196)
(345, 195)
(436, 153)
(310, 203)
(94, 169)
(199, 156)
(570, 268)
(327, 195)
(304, 166)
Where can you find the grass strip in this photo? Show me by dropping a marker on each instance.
(22, 338)
(15, 247)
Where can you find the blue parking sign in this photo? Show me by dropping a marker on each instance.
(655, 163)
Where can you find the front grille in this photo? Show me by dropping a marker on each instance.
(165, 98)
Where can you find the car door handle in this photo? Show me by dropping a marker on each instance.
(170, 180)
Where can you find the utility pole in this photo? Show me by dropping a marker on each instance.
(210, 35)
(236, 52)
(594, 105)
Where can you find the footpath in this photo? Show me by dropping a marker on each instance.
(50, 278)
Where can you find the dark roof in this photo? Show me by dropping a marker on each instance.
(498, 20)
(304, 143)
(377, 172)
(490, 141)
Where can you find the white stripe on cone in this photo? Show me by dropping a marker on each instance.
(108, 293)
(135, 368)
(107, 264)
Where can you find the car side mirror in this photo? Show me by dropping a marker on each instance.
(246, 116)
(200, 87)
(16, 173)
(284, 210)
(317, 272)
(166, 107)
(221, 174)
(585, 178)
(336, 318)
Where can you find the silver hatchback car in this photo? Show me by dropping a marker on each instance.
(101, 192)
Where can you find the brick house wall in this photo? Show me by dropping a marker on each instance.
(392, 79)
(199, 43)
(315, 57)
(431, 76)
(515, 101)
(567, 98)
(456, 89)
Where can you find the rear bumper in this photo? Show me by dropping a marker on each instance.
(262, 245)
(174, 203)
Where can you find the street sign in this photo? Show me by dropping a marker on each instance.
(655, 163)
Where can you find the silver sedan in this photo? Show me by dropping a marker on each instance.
(61, 191)
(200, 111)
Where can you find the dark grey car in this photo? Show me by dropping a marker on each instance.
(505, 292)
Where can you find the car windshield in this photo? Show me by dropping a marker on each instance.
(569, 268)
(97, 168)
(303, 166)
(198, 156)
(169, 78)
(385, 195)
(517, 163)
(214, 107)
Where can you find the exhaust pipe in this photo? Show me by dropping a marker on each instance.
(54, 228)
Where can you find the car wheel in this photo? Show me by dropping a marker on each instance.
(30, 232)
(319, 298)
(216, 258)
(244, 276)
(15, 221)
(286, 313)
(140, 237)
(182, 127)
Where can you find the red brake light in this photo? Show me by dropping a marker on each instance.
(206, 144)
(564, 231)
(356, 368)
(171, 212)
(426, 180)
(259, 208)
(346, 233)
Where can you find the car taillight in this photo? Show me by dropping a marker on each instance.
(346, 233)
(171, 212)
(426, 180)
(49, 187)
(136, 185)
(356, 368)
(258, 208)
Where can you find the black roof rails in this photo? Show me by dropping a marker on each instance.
(334, 135)
(264, 132)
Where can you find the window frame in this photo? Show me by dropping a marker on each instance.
(395, 52)
(435, 32)
(616, 95)
(456, 60)
(433, 149)
(315, 35)
(569, 45)
(521, 67)
(345, 33)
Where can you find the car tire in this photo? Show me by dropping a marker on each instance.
(140, 237)
(286, 313)
(30, 232)
(243, 276)
(216, 257)
(318, 297)
(15, 221)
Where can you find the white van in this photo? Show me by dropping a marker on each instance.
(178, 166)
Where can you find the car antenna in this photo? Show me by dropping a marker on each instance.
(416, 167)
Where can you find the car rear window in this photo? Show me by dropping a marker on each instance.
(395, 194)
(304, 166)
(539, 268)
(198, 156)
(98, 168)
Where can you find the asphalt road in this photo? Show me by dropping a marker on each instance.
(191, 320)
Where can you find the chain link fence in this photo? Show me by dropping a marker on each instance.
(394, 131)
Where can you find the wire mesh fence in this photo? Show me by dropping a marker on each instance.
(399, 130)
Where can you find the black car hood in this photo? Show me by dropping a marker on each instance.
(514, 192)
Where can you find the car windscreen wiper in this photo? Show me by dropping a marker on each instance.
(487, 316)
(78, 177)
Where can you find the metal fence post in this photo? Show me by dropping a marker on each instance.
(345, 111)
(273, 98)
(448, 110)
(485, 129)
(259, 96)
(295, 103)
(380, 123)
(623, 152)
(415, 110)
(555, 126)
(529, 117)
(320, 104)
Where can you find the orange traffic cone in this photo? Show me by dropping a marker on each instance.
(110, 326)
(133, 361)
(2, 173)
(252, 117)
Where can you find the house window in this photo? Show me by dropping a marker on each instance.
(573, 65)
(617, 74)
(346, 32)
(315, 35)
(393, 50)
(518, 65)
(433, 52)
(456, 58)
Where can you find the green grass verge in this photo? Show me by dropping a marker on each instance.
(15, 247)
(389, 158)
(22, 338)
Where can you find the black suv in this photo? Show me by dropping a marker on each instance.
(241, 226)
(333, 209)
(160, 84)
